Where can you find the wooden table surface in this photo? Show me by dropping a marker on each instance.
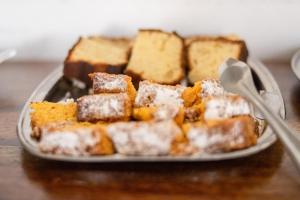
(266, 175)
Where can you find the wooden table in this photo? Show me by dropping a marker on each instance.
(266, 175)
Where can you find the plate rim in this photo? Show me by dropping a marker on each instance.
(57, 73)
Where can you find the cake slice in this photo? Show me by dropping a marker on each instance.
(144, 138)
(157, 56)
(43, 113)
(112, 83)
(205, 55)
(96, 54)
(160, 113)
(202, 89)
(227, 106)
(153, 94)
(193, 97)
(104, 107)
(214, 136)
(75, 139)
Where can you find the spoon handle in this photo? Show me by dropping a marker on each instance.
(286, 134)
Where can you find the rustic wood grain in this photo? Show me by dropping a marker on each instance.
(266, 175)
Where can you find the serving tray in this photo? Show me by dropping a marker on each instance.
(55, 88)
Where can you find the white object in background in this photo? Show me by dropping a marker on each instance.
(7, 54)
(295, 63)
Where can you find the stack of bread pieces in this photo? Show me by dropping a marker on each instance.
(137, 106)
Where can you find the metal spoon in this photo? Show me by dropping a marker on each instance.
(295, 63)
(7, 54)
(236, 77)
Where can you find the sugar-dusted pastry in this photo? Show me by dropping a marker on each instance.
(221, 107)
(43, 113)
(202, 89)
(112, 83)
(75, 139)
(215, 136)
(144, 138)
(193, 97)
(104, 107)
(153, 94)
(159, 113)
(157, 56)
(96, 54)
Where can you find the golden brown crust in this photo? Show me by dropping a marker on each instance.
(189, 39)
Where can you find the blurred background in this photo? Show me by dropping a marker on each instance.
(45, 30)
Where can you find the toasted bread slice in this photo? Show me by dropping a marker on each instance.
(215, 136)
(157, 56)
(96, 54)
(205, 55)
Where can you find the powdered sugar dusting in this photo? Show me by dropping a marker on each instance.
(225, 107)
(143, 138)
(153, 94)
(103, 82)
(73, 143)
(217, 139)
(211, 87)
(166, 111)
(102, 106)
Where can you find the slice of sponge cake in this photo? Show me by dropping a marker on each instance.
(157, 56)
(205, 55)
(96, 54)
